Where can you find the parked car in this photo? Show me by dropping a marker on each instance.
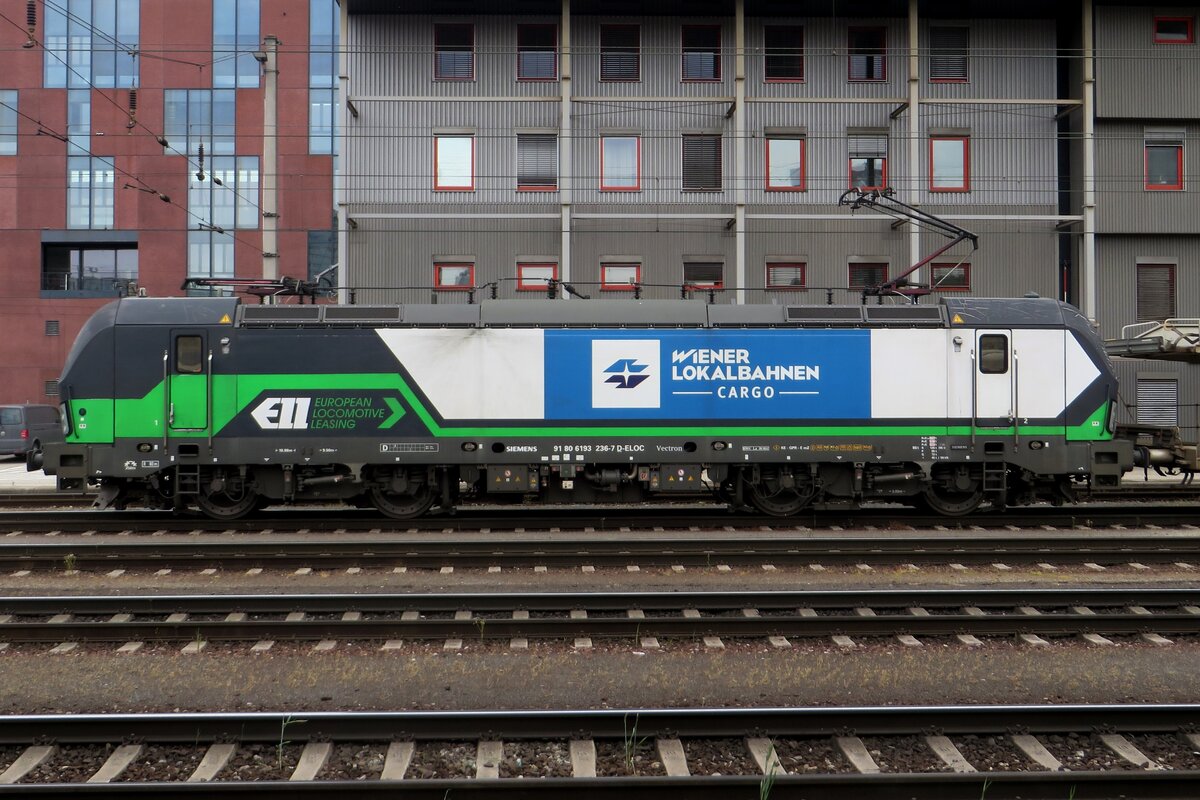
(28, 428)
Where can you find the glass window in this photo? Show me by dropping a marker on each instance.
(993, 354)
(79, 121)
(454, 52)
(863, 275)
(227, 198)
(950, 277)
(704, 275)
(949, 167)
(55, 46)
(786, 275)
(210, 255)
(702, 163)
(868, 54)
(620, 277)
(90, 197)
(1155, 292)
(235, 39)
(322, 254)
(195, 117)
(323, 31)
(537, 162)
(620, 53)
(1164, 166)
(868, 162)
(8, 122)
(322, 124)
(535, 277)
(98, 269)
(1173, 30)
(537, 52)
(91, 42)
(189, 356)
(785, 164)
(454, 163)
(453, 276)
(620, 163)
(783, 53)
(948, 50)
(701, 52)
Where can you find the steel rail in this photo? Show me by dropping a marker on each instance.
(725, 615)
(701, 549)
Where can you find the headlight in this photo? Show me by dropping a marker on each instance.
(64, 414)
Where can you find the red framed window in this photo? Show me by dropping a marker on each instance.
(537, 52)
(868, 172)
(867, 48)
(701, 163)
(535, 277)
(620, 277)
(1164, 166)
(620, 163)
(620, 53)
(783, 53)
(949, 164)
(864, 274)
(952, 277)
(454, 52)
(704, 275)
(454, 163)
(701, 45)
(1174, 30)
(785, 163)
(537, 162)
(453, 276)
(787, 275)
(949, 53)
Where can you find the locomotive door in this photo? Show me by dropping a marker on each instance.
(993, 379)
(187, 366)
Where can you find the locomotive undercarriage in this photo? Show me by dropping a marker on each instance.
(404, 492)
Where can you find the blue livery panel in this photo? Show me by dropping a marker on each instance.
(707, 374)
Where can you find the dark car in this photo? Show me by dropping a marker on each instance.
(28, 428)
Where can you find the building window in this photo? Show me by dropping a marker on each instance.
(92, 269)
(537, 162)
(79, 122)
(868, 162)
(322, 76)
(537, 52)
(235, 40)
(227, 198)
(864, 275)
(8, 122)
(949, 46)
(210, 255)
(620, 53)
(701, 52)
(783, 53)
(704, 275)
(322, 254)
(1173, 30)
(949, 164)
(456, 276)
(1158, 401)
(786, 275)
(1164, 164)
(535, 277)
(868, 54)
(454, 163)
(702, 163)
(195, 117)
(785, 164)
(91, 43)
(90, 194)
(620, 163)
(950, 277)
(620, 277)
(454, 52)
(1155, 292)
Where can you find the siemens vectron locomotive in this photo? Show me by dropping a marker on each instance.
(214, 404)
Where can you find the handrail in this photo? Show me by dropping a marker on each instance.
(1153, 325)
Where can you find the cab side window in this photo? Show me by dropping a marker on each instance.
(993, 354)
(188, 358)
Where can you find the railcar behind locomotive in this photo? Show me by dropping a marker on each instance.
(224, 406)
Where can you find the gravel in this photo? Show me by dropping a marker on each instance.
(355, 762)
(903, 754)
(719, 757)
(612, 760)
(8, 755)
(805, 756)
(262, 762)
(1083, 752)
(536, 759)
(73, 764)
(1173, 752)
(443, 760)
(993, 754)
(163, 763)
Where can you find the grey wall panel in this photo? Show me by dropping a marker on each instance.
(1136, 77)
(1124, 204)
(1117, 258)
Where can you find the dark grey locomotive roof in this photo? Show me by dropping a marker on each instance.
(948, 312)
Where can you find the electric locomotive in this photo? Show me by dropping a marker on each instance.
(224, 406)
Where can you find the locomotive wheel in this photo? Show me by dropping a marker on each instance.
(771, 499)
(950, 503)
(401, 505)
(219, 505)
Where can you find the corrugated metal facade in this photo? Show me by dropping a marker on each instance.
(1137, 77)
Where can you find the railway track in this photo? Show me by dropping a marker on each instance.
(401, 552)
(640, 618)
(921, 753)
